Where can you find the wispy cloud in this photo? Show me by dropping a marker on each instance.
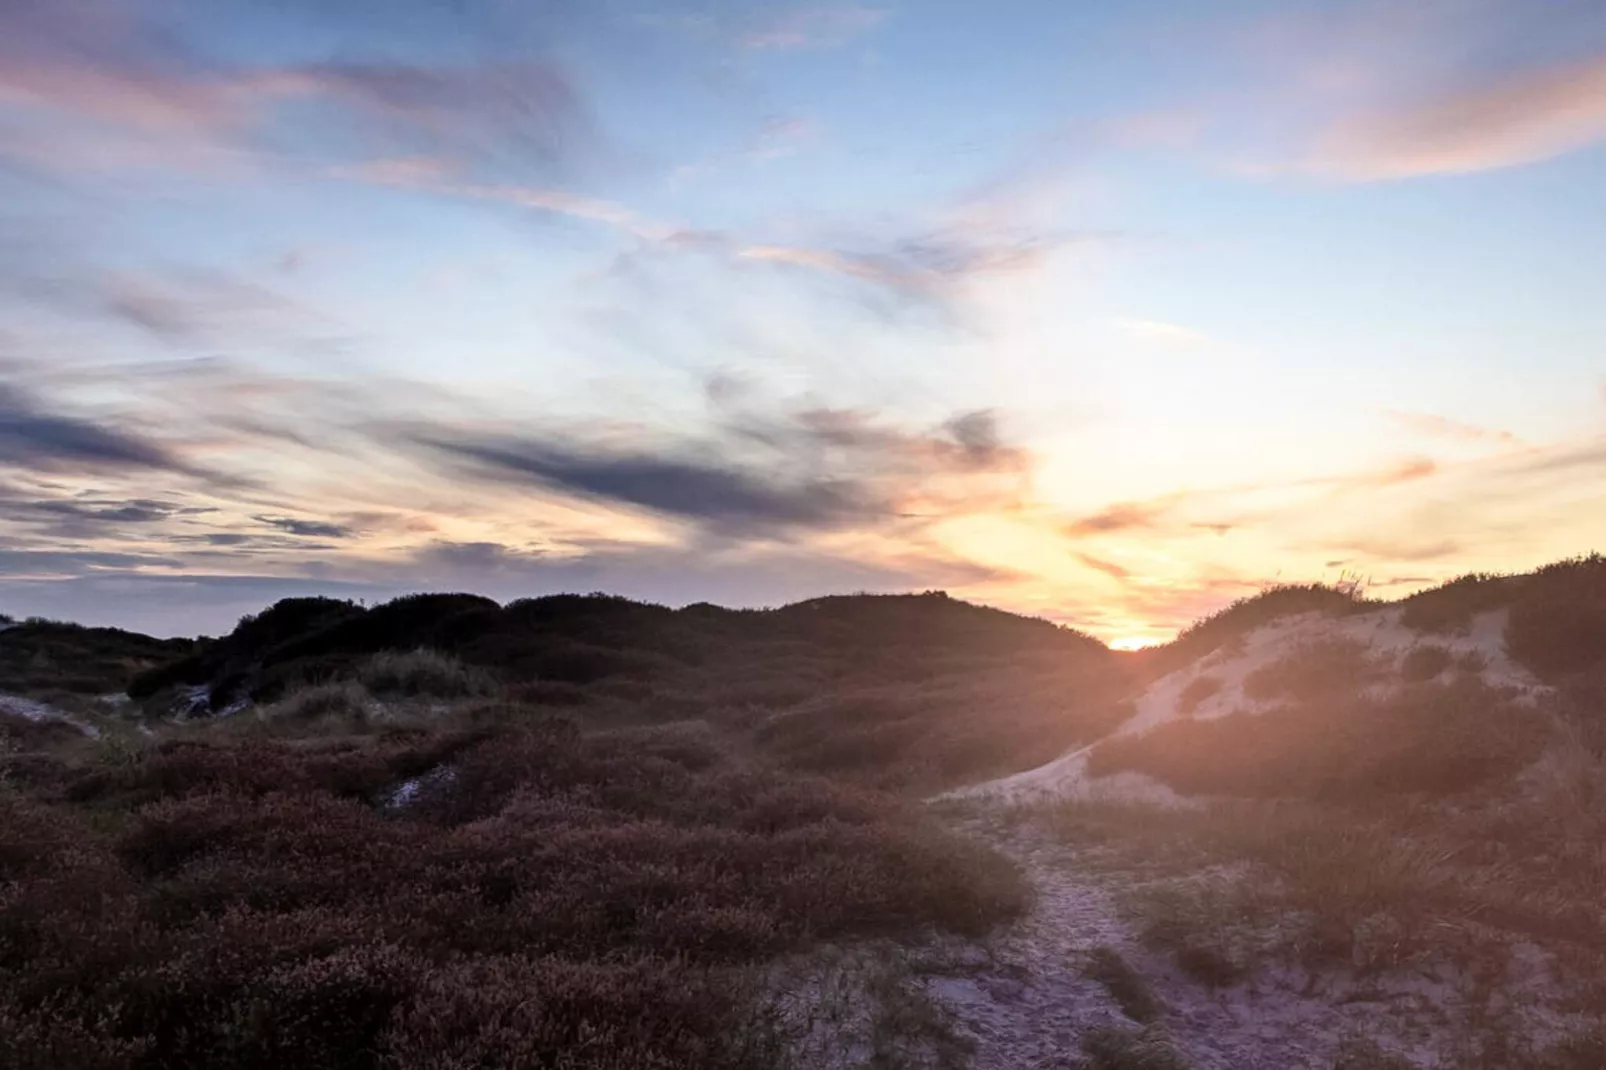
(777, 139)
(813, 26)
(127, 71)
(1436, 426)
(931, 266)
(1165, 335)
(1122, 516)
(196, 304)
(317, 529)
(1115, 571)
(34, 438)
(436, 175)
(1404, 549)
(1516, 119)
(818, 469)
(1404, 470)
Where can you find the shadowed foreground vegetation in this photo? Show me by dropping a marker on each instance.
(500, 890)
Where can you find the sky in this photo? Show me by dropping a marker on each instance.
(1108, 313)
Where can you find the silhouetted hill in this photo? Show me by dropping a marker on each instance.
(1556, 625)
(39, 657)
(584, 639)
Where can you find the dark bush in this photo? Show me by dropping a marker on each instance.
(1451, 606)
(1558, 625)
(924, 738)
(1424, 663)
(39, 657)
(1439, 739)
(1314, 670)
(1244, 616)
(1197, 691)
(540, 896)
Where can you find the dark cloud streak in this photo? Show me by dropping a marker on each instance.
(316, 529)
(722, 496)
(33, 438)
(818, 469)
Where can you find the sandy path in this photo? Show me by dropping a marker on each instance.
(33, 710)
(1022, 999)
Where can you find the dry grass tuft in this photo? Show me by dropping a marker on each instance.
(1130, 1049)
(1125, 985)
(423, 674)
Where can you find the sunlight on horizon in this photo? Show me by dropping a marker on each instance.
(753, 306)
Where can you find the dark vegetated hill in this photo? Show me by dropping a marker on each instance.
(583, 639)
(1557, 614)
(1556, 626)
(44, 657)
(1227, 625)
(908, 691)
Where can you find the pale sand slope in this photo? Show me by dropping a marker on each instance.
(1380, 632)
(32, 710)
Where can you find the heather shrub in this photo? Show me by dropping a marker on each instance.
(1245, 615)
(422, 673)
(336, 700)
(1195, 692)
(555, 897)
(1314, 670)
(1451, 606)
(26, 733)
(926, 738)
(1423, 663)
(517, 1011)
(1437, 738)
(1558, 625)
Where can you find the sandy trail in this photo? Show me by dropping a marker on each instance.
(1024, 1002)
(34, 710)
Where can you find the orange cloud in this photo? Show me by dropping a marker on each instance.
(1428, 423)
(1121, 516)
(1522, 119)
(1109, 568)
(1404, 470)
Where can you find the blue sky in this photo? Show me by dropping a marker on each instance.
(1110, 313)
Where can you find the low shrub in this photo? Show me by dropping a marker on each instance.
(1451, 606)
(921, 739)
(1245, 615)
(1113, 1048)
(1422, 663)
(561, 898)
(348, 699)
(1125, 985)
(1197, 691)
(1439, 739)
(1558, 625)
(1313, 670)
(423, 674)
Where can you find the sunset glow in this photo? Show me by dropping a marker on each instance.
(1107, 313)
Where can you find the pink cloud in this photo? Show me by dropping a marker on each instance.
(1520, 119)
(113, 72)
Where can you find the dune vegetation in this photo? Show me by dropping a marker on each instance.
(579, 831)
